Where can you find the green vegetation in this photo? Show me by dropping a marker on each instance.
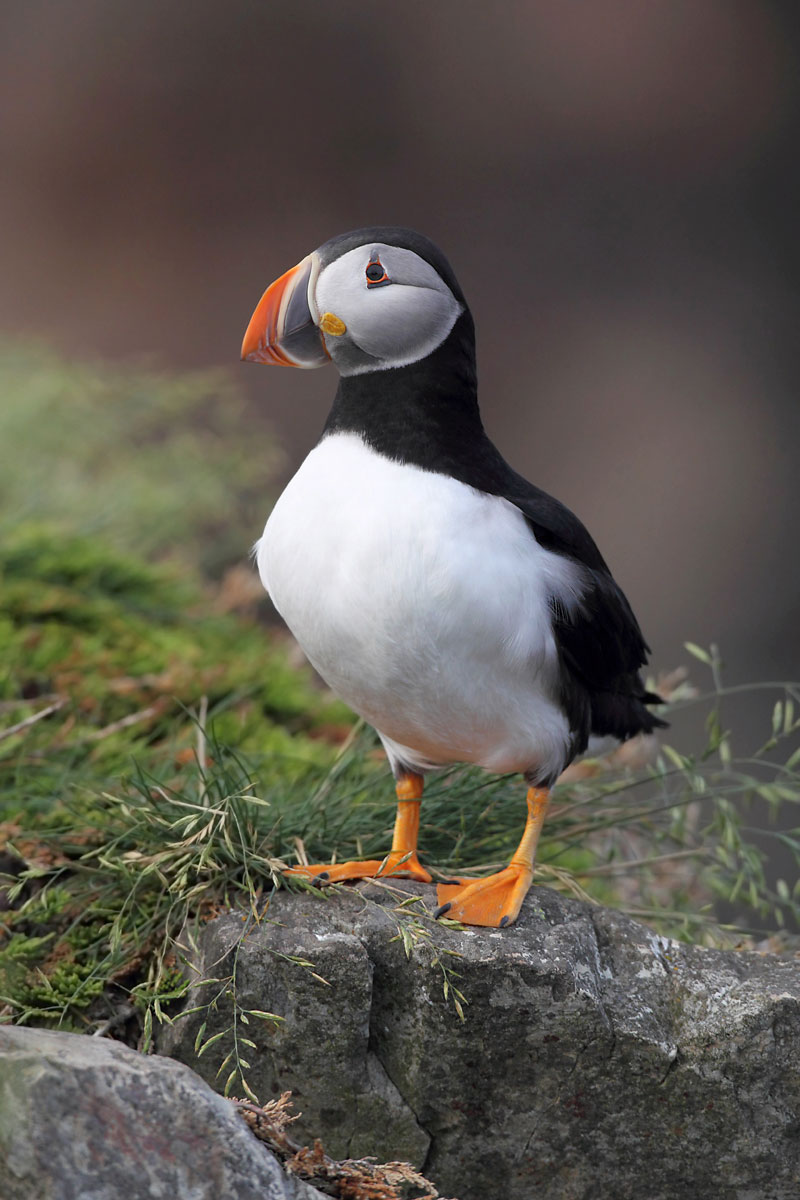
(160, 759)
(157, 463)
(103, 661)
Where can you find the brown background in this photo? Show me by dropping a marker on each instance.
(614, 181)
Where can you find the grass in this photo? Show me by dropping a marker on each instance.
(160, 759)
(109, 667)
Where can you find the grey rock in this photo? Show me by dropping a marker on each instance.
(596, 1058)
(85, 1118)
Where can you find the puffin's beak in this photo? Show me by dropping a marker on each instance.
(282, 330)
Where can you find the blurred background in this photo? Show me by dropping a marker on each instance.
(616, 184)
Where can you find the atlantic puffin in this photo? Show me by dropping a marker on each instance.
(464, 613)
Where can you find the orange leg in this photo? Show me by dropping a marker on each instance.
(497, 899)
(401, 859)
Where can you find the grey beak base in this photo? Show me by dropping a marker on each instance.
(301, 339)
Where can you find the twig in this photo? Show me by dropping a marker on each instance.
(201, 734)
(633, 864)
(353, 1177)
(31, 720)
(124, 723)
(11, 705)
(123, 1014)
(302, 856)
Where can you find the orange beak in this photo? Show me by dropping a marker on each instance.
(282, 330)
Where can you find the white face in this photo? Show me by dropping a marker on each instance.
(389, 322)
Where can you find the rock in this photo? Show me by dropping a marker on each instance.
(84, 1118)
(596, 1059)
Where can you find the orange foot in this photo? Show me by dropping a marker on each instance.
(494, 901)
(395, 864)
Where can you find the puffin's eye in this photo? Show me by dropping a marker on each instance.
(376, 275)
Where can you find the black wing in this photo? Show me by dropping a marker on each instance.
(600, 645)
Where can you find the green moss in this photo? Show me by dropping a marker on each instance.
(69, 987)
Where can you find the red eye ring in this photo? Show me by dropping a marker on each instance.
(376, 275)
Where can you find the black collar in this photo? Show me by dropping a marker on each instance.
(424, 414)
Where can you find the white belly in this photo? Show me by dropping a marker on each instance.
(425, 605)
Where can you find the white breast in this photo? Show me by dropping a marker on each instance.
(425, 605)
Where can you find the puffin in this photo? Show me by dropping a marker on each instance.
(463, 612)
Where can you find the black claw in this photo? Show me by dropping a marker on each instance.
(505, 921)
(442, 910)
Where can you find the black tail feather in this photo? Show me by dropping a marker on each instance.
(623, 716)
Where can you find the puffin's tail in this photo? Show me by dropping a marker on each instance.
(623, 714)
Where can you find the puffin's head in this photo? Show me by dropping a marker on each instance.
(368, 300)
